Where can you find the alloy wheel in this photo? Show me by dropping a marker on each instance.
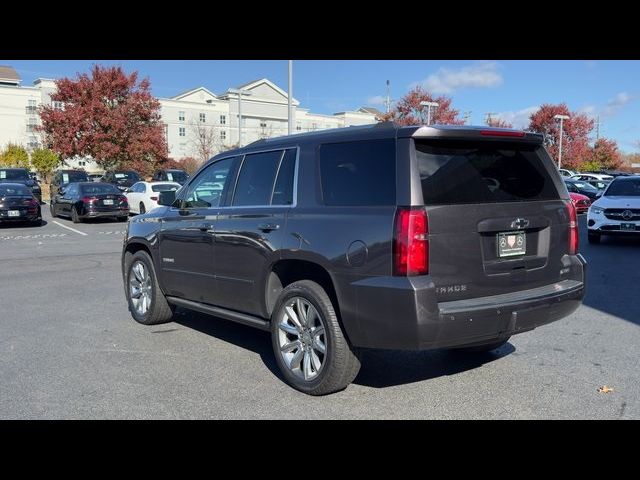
(140, 289)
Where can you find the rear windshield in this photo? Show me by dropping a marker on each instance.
(17, 190)
(624, 188)
(587, 187)
(73, 177)
(458, 172)
(14, 175)
(176, 176)
(99, 189)
(164, 187)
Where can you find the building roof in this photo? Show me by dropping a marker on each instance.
(371, 110)
(8, 74)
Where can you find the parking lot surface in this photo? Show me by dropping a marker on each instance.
(70, 349)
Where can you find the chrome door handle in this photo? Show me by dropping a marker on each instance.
(207, 227)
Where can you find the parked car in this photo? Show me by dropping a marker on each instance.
(581, 202)
(23, 176)
(592, 176)
(171, 175)
(63, 178)
(143, 196)
(566, 173)
(584, 188)
(18, 204)
(84, 200)
(617, 212)
(373, 236)
(95, 177)
(122, 179)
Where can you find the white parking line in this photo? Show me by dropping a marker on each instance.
(69, 228)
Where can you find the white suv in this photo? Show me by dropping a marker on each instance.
(617, 212)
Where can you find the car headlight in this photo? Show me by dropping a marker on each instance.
(596, 210)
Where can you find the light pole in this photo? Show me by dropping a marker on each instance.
(290, 126)
(240, 93)
(429, 105)
(561, 118)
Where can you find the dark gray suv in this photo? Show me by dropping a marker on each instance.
(377, 236)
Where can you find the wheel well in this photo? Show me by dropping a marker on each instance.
(134, 248)
(285, 272)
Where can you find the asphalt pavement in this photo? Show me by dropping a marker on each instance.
(70, 349)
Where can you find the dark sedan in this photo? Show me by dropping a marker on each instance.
(18, 204)
(122, 179)
(81, 201)
(21, 175)
(582, 187)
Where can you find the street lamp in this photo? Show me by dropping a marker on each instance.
(290, 100)
(429, 105)
(240, 93)
(561, 118)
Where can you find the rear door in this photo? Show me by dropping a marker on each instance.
(497, 222)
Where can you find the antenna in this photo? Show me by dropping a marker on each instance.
(388, 100)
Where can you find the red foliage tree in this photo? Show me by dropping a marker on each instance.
(189, 164)
(605, 153)
(498, 123)
(575, 137)
(408, 110)
(108, 115)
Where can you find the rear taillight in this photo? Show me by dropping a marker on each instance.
(123, 200)
(155, 199)
(411, 244)
(501, 133)
(89, 199)
(573, 229)
(31, 204)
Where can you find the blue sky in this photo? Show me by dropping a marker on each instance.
(513, 88)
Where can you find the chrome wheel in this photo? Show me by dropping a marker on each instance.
(302, 338)
(140, 289)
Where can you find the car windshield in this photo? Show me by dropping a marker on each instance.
(99, 189)
(72, 177)
(624, 188)
(176, 176)
(18, 190)
(126, 176)
(8, 175)
(164, 187)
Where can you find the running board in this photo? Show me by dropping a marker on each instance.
(237, 317)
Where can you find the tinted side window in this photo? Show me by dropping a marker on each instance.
(73, 190)
(358, 173)
(283, 189)
(255, 181)
(207, 188)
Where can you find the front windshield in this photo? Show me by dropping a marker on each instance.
(73, 177)
(133, 176)
(177, 176)
(624, 188)
(9, 175)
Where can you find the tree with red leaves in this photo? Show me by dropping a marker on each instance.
(575, 137)
(108, 115)
(605, 155)
(497, 123)
(408, 110)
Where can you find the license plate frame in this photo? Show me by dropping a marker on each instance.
(628, 227)
(511, 247)
(107, 201)
(13, 213)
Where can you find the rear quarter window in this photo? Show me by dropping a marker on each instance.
(358, 173)
(459, 172)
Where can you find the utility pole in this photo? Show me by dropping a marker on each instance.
(598, 128)
(388, 100)
(467, 116)
(290, 125)
(240, 93)
(561, 118)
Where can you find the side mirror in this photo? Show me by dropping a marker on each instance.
(167, 198)
(61, 191)
(126, 190)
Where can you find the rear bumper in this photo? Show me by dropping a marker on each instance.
(107, 213)
(403, 313)
(28, 217)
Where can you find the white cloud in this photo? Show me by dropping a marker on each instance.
(479, 75)
(590, 111)
(616, 103)
(377, 100)
(517, 118)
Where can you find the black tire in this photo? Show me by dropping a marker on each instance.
(486, 347)
(593, 237)
(142, 210)
(340, 364)
(159, 310)
(75, 218)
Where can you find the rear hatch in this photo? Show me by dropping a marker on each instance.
(23, 204)
(497, 219)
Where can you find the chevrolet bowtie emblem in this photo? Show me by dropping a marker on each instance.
(520, 223)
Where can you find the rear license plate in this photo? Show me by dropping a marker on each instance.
(14, 213)
(511, 244)
(107, 202)
(627, 226)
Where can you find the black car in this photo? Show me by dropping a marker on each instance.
(171, 175)
(583, 187)
(23, 176)
(122, 179)
(18, 204)
(84, 200)
(62, 178)
(364, 237)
